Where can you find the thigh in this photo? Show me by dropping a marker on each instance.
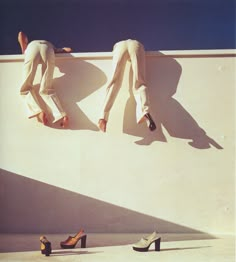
(48, 62)
(137, 53)
(31, 61)
(120, 56)
(138, 59)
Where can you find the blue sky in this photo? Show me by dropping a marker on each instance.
(95, 25)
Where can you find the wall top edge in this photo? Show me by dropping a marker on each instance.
(108, 55)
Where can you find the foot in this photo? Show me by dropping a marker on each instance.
(23, 41)
(102, 124)
(65, 122)
(42, 117)
(150, 123)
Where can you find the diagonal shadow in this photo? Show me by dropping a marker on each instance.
(79, 80)
(32, 207)
(163, 78)
(72, 253)
(183, 248)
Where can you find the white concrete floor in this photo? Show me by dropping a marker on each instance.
(118, 247)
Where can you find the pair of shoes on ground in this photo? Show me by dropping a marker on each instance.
(70, 242)
(144, 243)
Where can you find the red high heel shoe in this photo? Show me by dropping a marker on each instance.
(71, 242)
(65, 122)
(42, 118)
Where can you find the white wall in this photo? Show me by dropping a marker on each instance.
(179, 178)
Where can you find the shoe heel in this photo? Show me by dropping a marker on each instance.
(158, 244)
(42, 248)
(83, 241)
(48, 249)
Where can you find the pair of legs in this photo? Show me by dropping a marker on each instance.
(41, 52)
(122, 52)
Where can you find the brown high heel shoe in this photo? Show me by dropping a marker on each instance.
(45, 246)
(71, 242)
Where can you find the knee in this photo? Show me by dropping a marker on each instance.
(23, 93)
(141, 86)
(46, 91)
(25, 89)
(43, 92)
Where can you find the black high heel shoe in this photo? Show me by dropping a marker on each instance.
(150, 123)
(45, 246)
(71, 242)
(144, 243)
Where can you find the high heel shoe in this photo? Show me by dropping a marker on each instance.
(71, 242)
(65, 122)
(150, 123)
(42, 117)
(102, 124)
(144, 243)
(45, 246)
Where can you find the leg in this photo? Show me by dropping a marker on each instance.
(137, 57)
(26, 91)
(47, 91)
(120, 56)
(138, 62)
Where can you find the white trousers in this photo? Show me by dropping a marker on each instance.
(40, 52)
(123, 51)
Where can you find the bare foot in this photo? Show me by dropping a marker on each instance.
(23, 41)
(42, 118)
(65, 122)
(102, 124)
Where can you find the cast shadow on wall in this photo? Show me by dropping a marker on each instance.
(79, 80)
(33, 207)
(163, 78)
